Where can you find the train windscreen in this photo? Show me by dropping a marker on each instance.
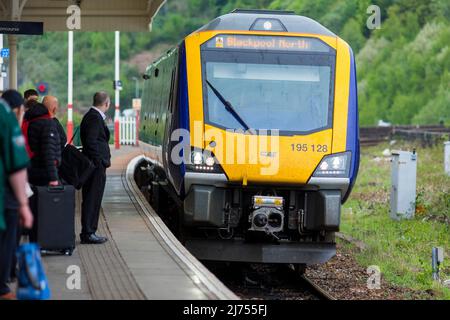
(289, 90)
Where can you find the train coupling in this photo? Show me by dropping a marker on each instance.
(267, 215)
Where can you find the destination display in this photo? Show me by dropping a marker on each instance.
(267, 43)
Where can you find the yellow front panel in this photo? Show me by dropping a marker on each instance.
(286, 159)
(245, 158)
(342, 87)
(195, 91)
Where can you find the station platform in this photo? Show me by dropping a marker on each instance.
(142, 259)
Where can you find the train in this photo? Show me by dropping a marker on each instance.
(250, 132)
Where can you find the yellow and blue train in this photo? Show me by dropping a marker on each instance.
(250, 130)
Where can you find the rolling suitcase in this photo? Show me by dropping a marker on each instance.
(55, 210)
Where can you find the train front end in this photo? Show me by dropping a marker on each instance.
(274, 138)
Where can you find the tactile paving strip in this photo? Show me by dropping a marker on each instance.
(107, 274)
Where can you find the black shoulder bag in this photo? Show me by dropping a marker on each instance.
(75, 167)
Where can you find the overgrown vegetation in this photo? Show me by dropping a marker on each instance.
(402, 249)
(403, 68)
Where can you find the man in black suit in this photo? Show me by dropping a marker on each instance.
(95, 140)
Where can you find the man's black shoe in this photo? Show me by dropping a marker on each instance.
(92, 239)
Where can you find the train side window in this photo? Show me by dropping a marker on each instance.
(172, 90)
(156, 72)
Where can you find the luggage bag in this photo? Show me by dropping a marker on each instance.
(55, 208)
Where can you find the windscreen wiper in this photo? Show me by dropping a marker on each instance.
(228, 106)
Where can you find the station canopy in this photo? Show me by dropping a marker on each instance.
(96, 15)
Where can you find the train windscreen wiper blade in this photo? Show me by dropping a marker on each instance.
(228, 107)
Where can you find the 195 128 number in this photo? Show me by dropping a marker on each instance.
(299, 147)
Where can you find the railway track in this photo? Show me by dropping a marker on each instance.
(268, 282)
(428, 135)
(319, 290)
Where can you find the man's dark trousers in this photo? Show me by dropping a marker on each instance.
(92, 200)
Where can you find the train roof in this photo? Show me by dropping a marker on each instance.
(245, 20)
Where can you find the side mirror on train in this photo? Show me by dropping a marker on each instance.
(145, 76)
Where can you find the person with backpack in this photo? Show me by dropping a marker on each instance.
(14, 207)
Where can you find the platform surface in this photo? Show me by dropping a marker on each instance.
(136, 263)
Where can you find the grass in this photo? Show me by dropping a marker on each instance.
(402, 249)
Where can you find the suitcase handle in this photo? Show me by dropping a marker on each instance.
(56, 188)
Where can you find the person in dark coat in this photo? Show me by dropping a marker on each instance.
(52, 105)
(94, 136)
(45, 152)
(44, 144)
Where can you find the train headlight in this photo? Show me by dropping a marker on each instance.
(209, 161)
(197, 157)
(338, 163)
(203, 161)
(334, 165)
(324, 166)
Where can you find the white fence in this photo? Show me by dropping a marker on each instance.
(127, 130)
